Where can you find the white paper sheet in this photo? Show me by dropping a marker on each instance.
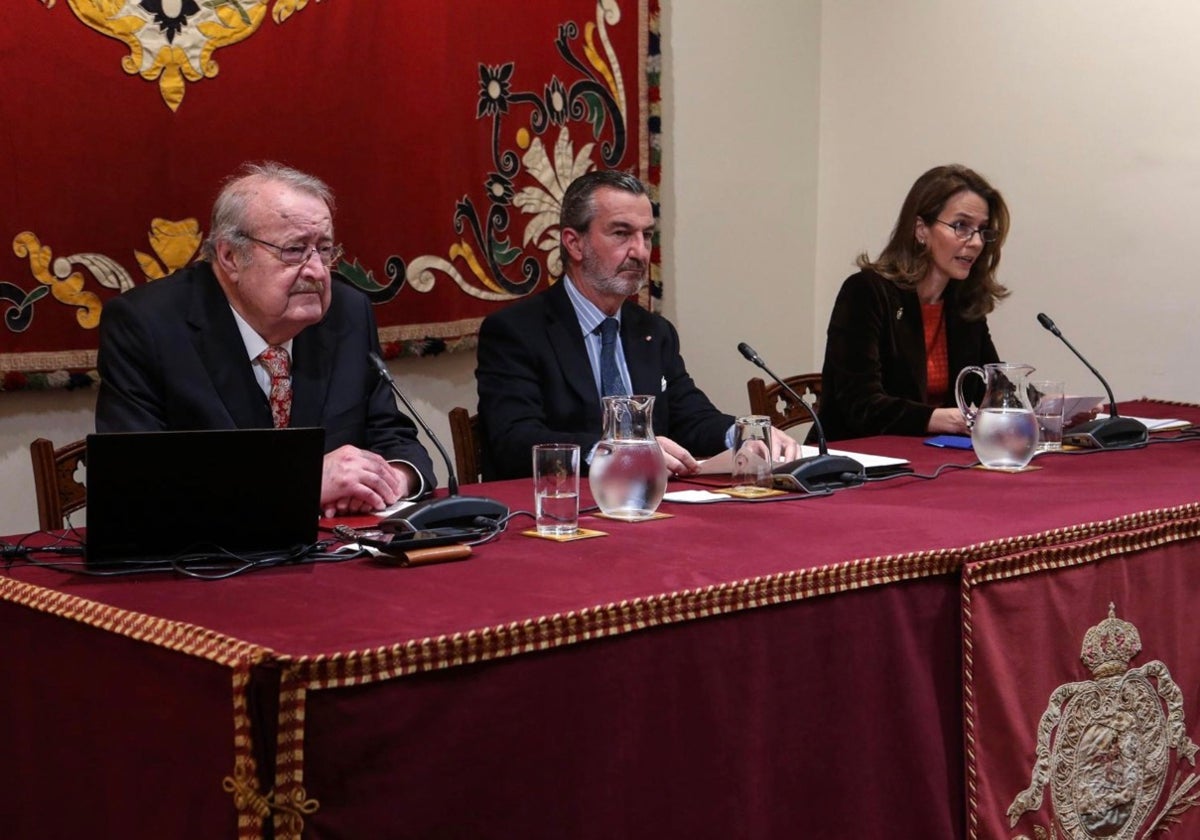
(723, 463)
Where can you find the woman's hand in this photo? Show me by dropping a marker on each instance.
(947, 421)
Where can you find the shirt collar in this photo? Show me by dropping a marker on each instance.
(254, 342)
(588, 314)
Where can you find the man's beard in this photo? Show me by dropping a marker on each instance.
(618, 283)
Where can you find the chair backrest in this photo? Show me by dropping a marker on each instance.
(59, 492)
(777, 404)
(468, 445)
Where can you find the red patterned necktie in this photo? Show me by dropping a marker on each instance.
(279, 366)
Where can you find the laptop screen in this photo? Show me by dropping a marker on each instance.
(153, 496)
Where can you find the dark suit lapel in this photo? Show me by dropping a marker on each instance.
(642, 352)
(221, 349)
(566, 341)
(312, 371)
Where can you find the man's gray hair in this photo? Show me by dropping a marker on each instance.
(578, 207)
(233, 201)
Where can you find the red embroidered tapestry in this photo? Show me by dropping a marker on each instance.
(448, 132)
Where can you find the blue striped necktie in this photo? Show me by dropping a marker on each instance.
(611, 384)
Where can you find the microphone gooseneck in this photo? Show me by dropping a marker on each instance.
(817, 473)
(451, 477)
(1114, 431)
(1045, 321)
(748, 351)
(451, 511)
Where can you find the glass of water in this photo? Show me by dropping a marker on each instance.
(1048, 397)
(752, 454)
(556, 488)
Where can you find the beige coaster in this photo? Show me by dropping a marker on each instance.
(749, 492)
(653, 516)
(1029, 468)
(581, 534)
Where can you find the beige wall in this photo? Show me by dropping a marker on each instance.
(793, 130)
(1084, 114)
(739, 186)
(434, 385)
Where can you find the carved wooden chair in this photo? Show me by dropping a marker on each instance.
(777, 404)
(59, 491)
(468, 444)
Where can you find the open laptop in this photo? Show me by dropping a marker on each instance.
(154, 496)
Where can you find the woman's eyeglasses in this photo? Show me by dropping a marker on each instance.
(964, 231)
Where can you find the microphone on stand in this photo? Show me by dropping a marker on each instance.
(1114, 431)
(451, 511)
(816, 473)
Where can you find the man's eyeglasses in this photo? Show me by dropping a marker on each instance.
(300, 254)
(964, 231)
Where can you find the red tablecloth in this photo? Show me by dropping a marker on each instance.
(569, 689)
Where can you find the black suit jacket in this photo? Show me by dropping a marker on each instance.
(536, 384)
(171, 357)
(873, 381)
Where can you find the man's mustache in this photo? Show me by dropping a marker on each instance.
(306, 286)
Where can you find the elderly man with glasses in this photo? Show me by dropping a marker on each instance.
(259, 334)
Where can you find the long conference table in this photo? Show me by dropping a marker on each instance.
(901, 659)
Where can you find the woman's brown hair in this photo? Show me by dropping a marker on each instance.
(905, 261)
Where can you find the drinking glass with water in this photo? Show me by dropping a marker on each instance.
(556, 488)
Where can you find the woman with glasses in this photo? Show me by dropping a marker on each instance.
(907, 323)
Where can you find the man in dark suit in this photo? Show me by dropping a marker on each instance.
(203, 349)
(541, 369)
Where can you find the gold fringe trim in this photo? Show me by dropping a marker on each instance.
(288, 804)
(1064, 547)
(968, 643)
(244, 779)
(289, 752)
(614, 619)
(173, 635)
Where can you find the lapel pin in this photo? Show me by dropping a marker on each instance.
(663, 386)
(899, 313)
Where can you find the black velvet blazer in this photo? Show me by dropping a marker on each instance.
(873, 379)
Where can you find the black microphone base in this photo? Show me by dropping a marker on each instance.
(448, 512)
(1109, 433)
(819, 473)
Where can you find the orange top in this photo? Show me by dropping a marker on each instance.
(937, 362)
